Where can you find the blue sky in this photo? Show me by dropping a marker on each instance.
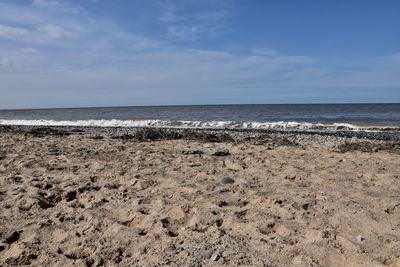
(56, 53)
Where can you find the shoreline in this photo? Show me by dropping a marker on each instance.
(234, 133)
(335, 141)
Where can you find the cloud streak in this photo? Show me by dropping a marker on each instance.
(42, 33)
(63, 6)
(208, 18)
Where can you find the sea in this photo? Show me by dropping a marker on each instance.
(301, 117)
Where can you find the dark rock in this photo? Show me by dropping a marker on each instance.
(172, 234)
(53, 150)
(309, 202)
(154, 134)
(142, 232)
(392, 208)
(166, 222)
(111, 185)
(97, 137)
(219, 222)
(219, 152)
(192, 151)
(47, 186)
(44, 204)
(366, 146)
(212, 152)
(227, 180)
(290, 177)
(206, 136)
(71, 195)
(13, 237)
(15, 179)
(124, 137)
(43, 131)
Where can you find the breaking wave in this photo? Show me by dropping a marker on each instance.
(280, 125)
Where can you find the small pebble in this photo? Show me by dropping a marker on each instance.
(207, 253)
(290, 177)
(311, 201)
(215, 257)
(227, 180)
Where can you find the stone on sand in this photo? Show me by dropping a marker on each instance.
(310, 202)
(227, 180)
(219, 152)
(207, 253)
(192, 151)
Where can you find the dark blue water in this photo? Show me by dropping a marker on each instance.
(355, 114)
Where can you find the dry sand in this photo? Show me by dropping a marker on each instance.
(90, 201)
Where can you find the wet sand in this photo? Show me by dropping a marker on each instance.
(95, 199)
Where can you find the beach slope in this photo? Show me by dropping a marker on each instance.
(92, 199)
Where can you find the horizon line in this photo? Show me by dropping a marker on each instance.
(185, 105)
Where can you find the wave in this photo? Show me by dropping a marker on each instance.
(182, 124)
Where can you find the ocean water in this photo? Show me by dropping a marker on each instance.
(314, 117)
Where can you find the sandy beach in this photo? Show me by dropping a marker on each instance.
(88, 198)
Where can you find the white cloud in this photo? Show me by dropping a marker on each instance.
(294, 60)
(52, 31)
(192, 20)
(46, 3)
(64, 6)
(269, 60)
(212, 16)
(41, 33)
(14, 32)
(29, 50)
(209, 54)
(183, 32)
(265, 52)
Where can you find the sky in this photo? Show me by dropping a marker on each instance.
(59, 53)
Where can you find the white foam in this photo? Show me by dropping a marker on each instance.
(281, 125)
